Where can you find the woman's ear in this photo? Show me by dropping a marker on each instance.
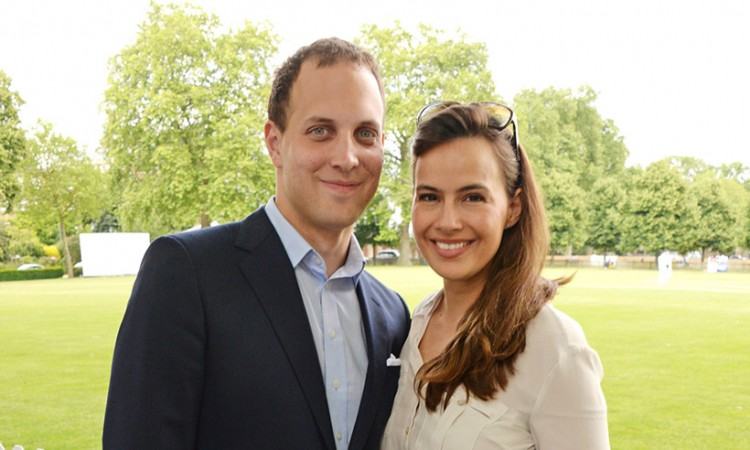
(515, 208)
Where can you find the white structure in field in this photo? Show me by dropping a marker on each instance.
(107, 254)
(664, 262)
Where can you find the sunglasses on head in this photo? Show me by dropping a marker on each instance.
(501, 117)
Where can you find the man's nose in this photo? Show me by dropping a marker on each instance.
(345, 155)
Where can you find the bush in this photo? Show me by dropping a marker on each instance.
(16, 275)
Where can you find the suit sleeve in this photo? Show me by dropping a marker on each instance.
(571, 413)
(157, 370)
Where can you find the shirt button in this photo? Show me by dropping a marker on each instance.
(332, 334)
(336, 384)
(338, 436)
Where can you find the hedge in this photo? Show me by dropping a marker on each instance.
(14, 275)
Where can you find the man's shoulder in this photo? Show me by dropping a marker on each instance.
(225, 234)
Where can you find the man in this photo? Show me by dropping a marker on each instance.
(267, 333)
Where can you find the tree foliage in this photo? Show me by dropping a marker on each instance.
(660, 212)
(720, 222)
(60, 186)
(185, 108)
(566, 213)
(562, 131)
(606, 203)
(419, 68)
(12, 140)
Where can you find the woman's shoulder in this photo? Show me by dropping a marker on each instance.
(553, 329)
(552, 338)
(426, 305)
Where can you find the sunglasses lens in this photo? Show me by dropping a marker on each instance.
(431, 110)
(501, 113)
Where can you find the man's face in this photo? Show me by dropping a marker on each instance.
(329, 158)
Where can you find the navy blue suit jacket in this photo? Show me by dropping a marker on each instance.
(215, 350)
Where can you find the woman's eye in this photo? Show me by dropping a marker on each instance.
(475, 198)
(426, 197)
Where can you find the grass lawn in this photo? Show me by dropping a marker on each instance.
(676, 356)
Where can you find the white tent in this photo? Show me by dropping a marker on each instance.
(108, 254)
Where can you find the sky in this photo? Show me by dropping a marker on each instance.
(673, 75)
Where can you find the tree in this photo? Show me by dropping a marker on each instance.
(572, 148)
(606, 200)
(563, 132)
(690, 167)
(60, 185)
(370, 229)
(17, 241)
(566, 212)
(185, 108)
(417, 69)
(12, 140)
(735, 171)
(660, 213)
(720, 223)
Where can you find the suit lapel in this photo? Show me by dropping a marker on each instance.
(271, 277)
(377, 353)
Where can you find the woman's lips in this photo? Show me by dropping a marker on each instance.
(451, 249)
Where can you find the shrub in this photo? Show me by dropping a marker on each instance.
(16, 275)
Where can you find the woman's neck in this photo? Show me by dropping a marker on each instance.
(458, 296)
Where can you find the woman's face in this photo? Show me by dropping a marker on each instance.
(461, 208)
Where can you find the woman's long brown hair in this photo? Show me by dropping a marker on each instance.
(492, 333)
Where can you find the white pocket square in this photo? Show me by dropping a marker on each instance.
(392, 361)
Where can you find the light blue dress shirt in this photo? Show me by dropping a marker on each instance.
(335, 320)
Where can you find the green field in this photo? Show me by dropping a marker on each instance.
(676, 357)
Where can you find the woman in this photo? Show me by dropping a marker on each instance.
(489, 363)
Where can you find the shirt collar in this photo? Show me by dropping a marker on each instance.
(297, 248)
(295, 245)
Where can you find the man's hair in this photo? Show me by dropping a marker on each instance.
(327, 52)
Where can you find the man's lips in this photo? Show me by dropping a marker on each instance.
(341, 185)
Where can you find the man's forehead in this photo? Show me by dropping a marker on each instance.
(320, 92)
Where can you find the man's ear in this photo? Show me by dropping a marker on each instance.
(272, 136)
(515, 208)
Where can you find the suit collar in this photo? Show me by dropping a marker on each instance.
(377, 353)
(271, 276)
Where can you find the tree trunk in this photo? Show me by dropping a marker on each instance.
(205, 220)
(68, 261)
(404, 258)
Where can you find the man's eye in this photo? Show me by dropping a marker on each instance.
(318, 132)
(367, 134)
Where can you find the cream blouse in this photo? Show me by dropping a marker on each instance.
(553, 402)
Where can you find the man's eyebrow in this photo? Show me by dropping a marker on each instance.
(370, 124)
(328, 121)
(318, 119)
